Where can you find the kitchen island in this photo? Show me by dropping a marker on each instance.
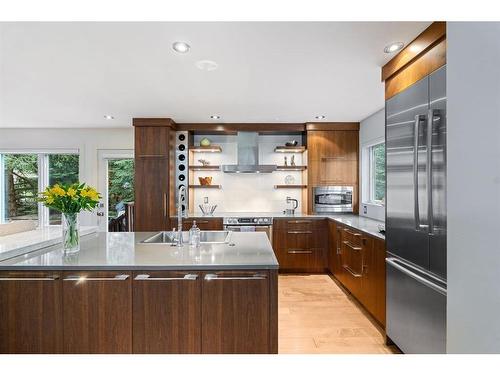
(121, 295)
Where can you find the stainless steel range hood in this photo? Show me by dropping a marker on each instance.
(248, 156)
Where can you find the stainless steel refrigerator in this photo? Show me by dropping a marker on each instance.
(416, 216)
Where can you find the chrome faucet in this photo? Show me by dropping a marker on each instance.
(180, 195)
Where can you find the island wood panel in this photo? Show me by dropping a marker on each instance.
(30, 313)
(151, 194)
(167, 312)
(97, 313)
(236, 312)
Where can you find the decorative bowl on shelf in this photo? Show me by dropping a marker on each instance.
(205, 181)
(205, 142)
(291, 143)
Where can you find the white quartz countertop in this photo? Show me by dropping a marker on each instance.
(362, 223)
(16, 244)
(124, 251)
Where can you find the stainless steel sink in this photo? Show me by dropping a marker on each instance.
(206, 237)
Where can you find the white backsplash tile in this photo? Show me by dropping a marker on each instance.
(248, 192)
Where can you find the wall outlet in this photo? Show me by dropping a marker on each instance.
(365, 209)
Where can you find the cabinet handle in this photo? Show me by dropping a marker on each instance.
(165, 205)
(299, 232)
(85, 278)
(299, 222)
(16, 278)
(348, 269)
(339, 252)
(352, 233)
(356, 248)
(299, 251)
(188, 276)
(213, 276)
(197, 221)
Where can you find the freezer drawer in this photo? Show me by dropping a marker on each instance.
(416, 309)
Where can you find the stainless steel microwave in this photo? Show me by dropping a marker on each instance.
(332, 199)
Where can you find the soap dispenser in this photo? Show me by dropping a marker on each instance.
(194, 235)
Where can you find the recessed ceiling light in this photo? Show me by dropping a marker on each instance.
(207, 65)
(181, 47)
(320, 117)
(215, 117)
(109, 117)
(394, 47)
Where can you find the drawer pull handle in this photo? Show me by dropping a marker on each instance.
(299, 232)
(299, 222)
(48, 278)
(213, 276)
(188, 276)
(299, 251)
(85, 278)
(348, 269)
(356, 248)
(197, 222)
(352, 233)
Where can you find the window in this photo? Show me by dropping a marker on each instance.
(120, 185)
(23, 175)
(376, 155)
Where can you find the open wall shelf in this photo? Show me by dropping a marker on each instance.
(291, 168)
(292, 149)
(206, 186)
(204, 167)
(213, 148)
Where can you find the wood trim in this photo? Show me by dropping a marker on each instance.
(273, 311)
(418, 69)
(332, 126)
(420, 45)
(232, 128)
(151, 121)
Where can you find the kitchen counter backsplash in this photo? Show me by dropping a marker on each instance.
(254, 191)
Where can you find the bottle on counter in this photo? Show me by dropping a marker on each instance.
(194, 235)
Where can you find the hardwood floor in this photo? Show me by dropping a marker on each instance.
(317, 316)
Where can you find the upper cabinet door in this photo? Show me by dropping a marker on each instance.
(236, 312)
(151, 141)
(167, 312)
(339, 144)
(97, 312)
(30, 313)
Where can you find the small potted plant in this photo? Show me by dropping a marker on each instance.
(70, 199)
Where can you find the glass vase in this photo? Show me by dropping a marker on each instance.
(70, 233)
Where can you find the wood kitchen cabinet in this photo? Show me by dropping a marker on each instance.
(154, 163)
(166, 312)
(333, 158)
(30, 312)
(357, 261)
(97, 312)
(300, 244)
(237, 313)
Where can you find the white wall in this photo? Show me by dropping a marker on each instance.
(473, 86)
(371, 131)
(249, 192)
(87, 141)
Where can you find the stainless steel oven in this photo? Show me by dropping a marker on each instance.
(332, 199)
(250, 224)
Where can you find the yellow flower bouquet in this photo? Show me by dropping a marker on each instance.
(70, 200)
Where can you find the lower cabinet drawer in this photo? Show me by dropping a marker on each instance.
(302, 259)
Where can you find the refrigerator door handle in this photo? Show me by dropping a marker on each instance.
(396, 263)
(432, 114)
(416, 209)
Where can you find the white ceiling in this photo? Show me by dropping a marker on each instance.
(72, 74)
